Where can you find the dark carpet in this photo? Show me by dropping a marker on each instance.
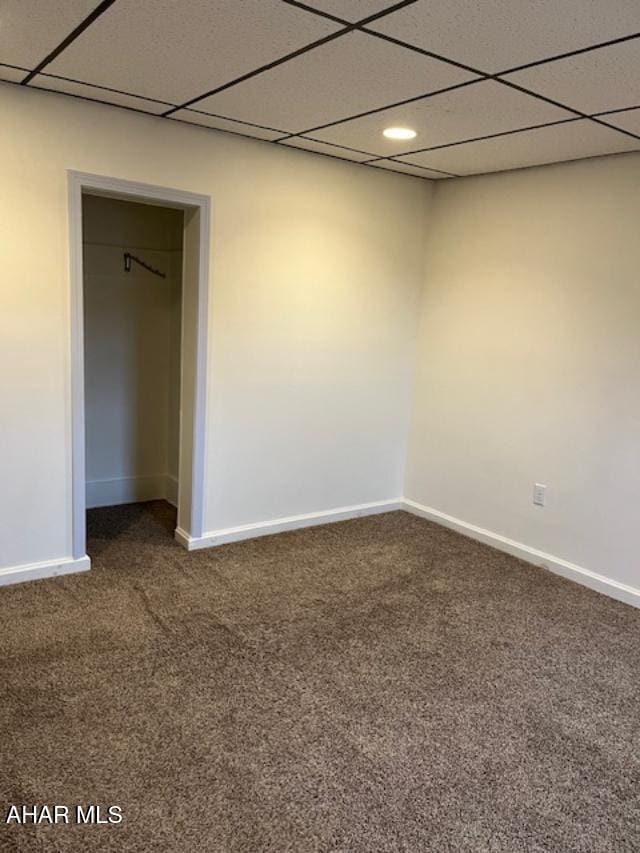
(381, 684)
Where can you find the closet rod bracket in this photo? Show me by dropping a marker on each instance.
(128, 257)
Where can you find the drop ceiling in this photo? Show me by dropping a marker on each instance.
(487, 84)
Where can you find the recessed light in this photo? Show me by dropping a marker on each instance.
(399, 133)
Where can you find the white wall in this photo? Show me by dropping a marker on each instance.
(132, 350)
(529, 361)
(316, 267)
(529, 350)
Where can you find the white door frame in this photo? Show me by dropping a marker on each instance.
(79, 182)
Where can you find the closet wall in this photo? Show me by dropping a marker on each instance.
(132, 351)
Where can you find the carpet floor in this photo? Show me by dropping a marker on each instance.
(381, 684)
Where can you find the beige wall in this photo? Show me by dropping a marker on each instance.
(132, 350)
(529, 360)
(316, 267)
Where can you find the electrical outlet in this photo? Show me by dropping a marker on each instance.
(539, 496)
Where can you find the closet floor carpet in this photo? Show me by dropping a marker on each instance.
(381, 684)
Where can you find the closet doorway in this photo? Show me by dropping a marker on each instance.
(139, 287)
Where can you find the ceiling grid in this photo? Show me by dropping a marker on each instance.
(488, 85)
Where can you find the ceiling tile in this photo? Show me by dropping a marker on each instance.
(408, 169)
(627, 120)
(222, 123)
(31, 29)
(177, 51)
(604, 79)
(349, 75)
(570, 141)
(325, 148)
(494, 35)
(351, 10)
(13, 75)
(94, 93)
(465, 113)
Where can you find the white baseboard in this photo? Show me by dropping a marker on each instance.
(183, 538)
(600, 583)
(126, 490)
(279, 525)
(48, 569)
